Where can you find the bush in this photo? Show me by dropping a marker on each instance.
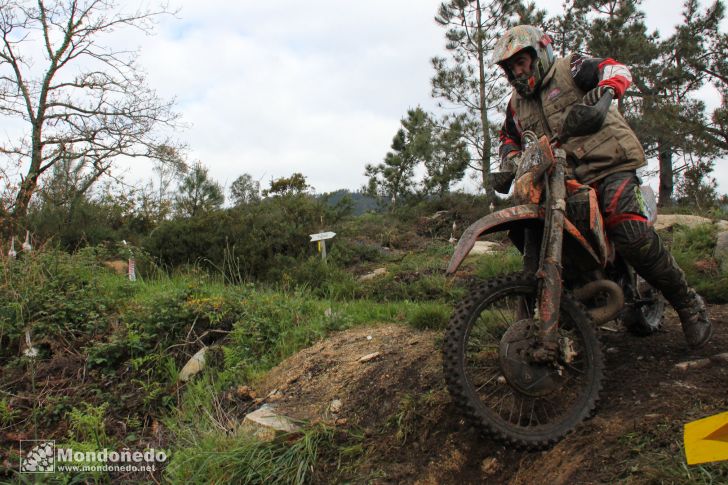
(692, 247)
(430, 318)
(254, 241)
(345, 252)
(380, 230)
(58, 297)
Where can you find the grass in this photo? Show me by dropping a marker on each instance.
(144, 331)
(211, 448)
(657, 457)
(240, 458)
(134, 336)
(414, 415)
(692, 249)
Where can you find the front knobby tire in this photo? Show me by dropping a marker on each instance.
(475, 377)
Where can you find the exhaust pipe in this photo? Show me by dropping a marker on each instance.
(615, 299)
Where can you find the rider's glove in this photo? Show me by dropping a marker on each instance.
(501, 181)
(511, 162)
(592, 97)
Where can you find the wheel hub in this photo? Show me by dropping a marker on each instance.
(520, 372)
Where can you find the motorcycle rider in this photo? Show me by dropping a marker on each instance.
(544, 88)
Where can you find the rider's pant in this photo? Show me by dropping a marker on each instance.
(625, 218)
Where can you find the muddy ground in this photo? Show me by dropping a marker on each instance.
(397, 401)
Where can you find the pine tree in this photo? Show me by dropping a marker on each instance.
(466, 81)
(197, 193)
(245, 190)
(393, 179)
(449, 158)
(294, 185)
(661, 107)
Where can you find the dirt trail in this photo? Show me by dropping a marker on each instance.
(415, 435)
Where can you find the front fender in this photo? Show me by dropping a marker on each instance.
(495, 222)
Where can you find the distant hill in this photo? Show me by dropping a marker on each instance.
(361, 203)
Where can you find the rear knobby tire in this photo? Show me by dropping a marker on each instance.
(647, 319)
(473, 371)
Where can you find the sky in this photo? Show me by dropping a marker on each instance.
(317, 87)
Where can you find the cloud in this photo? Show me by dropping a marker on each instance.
(271, 88)
(318, 87)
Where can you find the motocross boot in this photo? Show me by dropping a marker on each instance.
(649, 257)
(695, 323)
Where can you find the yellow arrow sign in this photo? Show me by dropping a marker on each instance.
(706, 439)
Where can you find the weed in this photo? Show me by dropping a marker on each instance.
(656, 457)
(7, 413)
(434, 317)
(414, 414)
(690, 246)
(240, 458)
(490, 265)
(87, 424)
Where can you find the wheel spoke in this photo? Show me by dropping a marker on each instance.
(514, 406)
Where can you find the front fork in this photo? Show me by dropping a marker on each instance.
(549, 271)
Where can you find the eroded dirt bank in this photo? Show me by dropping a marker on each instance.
(386, 382)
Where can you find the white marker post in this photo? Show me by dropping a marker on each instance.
(132, 264)
(321, 239)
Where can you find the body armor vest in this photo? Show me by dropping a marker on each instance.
(614, 148)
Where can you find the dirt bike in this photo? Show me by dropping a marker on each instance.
(521, 354)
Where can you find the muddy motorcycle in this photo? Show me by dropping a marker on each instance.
(522, 357)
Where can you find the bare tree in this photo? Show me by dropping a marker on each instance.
(78, 99)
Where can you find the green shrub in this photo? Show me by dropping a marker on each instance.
(490, 265)
(58, 297)
(412, 287)
(346, 252)
(380, 230)
(219, 458)
(430, 318)
(693, 246)
(253, 241)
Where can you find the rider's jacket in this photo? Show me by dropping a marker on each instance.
(614, 148)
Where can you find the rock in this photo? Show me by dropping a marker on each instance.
(118, 266)
(665, 221)
(341, 422)
(489, 466)
(722, 225)
(700, 363)
(370, 276)
(370, 357)
(721, 251)
(485, 247)
(335, 406)
(246, 392)
(265, 424)
(194, 365)
(707, 266)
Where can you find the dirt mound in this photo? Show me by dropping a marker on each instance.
(387, 381)
(357, 368)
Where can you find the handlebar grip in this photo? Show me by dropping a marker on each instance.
(605, 100)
